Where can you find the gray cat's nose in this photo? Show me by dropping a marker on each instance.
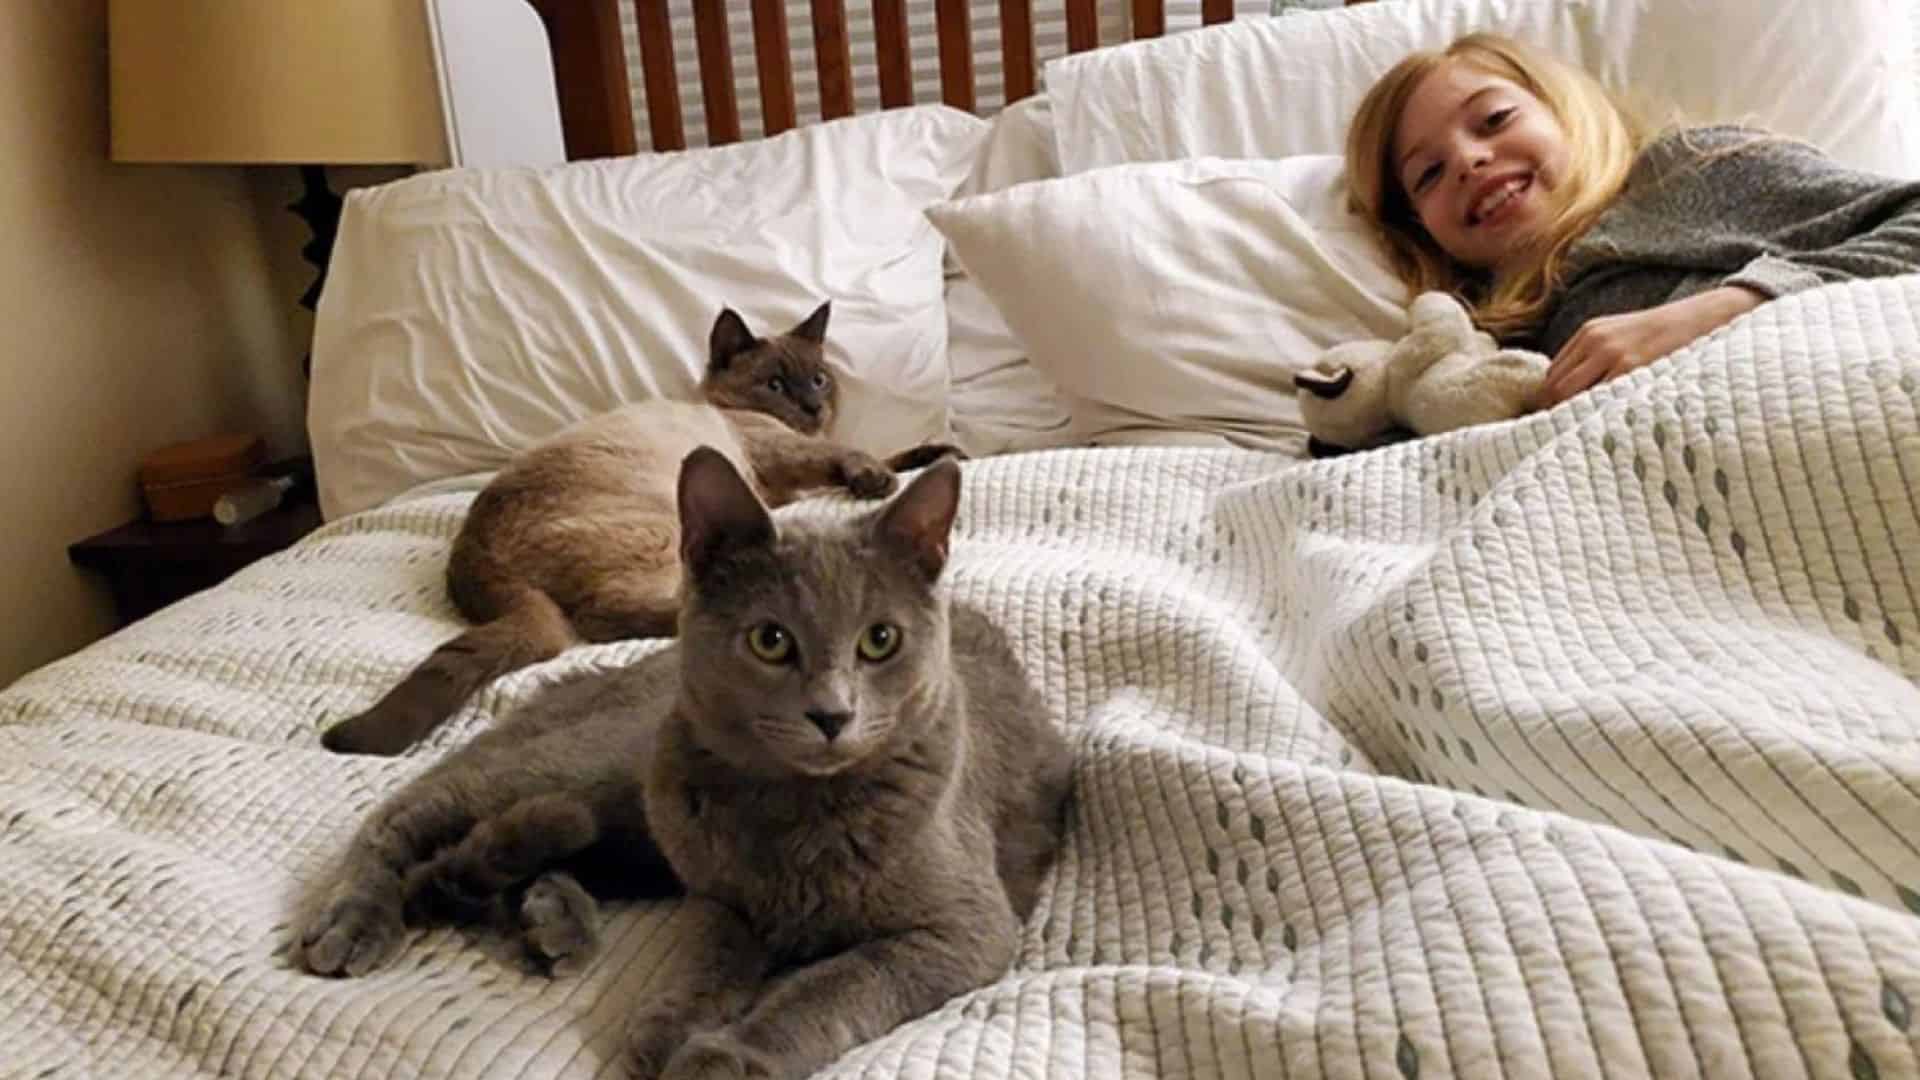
(829, 723)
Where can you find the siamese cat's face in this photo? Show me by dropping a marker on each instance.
(786, 377)
(813, 649)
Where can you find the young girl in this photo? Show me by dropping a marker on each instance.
(1514, 181)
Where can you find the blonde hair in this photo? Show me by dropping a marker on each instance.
(1603, 138)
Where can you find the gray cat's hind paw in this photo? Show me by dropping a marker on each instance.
(351, 936)
(717, 1055)
(560, 923)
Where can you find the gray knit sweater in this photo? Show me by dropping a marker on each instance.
(1732, 206)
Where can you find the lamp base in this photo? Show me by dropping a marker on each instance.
(319, 207)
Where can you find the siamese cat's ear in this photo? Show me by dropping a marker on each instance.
(729, 339)
(718, 511)
(814, 327)
(919, 521)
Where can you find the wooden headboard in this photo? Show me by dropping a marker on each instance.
(590, 62)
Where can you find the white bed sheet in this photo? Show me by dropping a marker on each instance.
(1575, 746)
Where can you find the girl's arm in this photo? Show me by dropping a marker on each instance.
(1612, 345)
(1724, 218)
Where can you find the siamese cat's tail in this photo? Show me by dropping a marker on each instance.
(529, 628)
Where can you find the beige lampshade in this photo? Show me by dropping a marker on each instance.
(325, 82)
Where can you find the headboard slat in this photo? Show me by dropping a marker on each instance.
(1016, 48)
(832, 58)
(596, 105)
(1083, 25)
(956, 52)
(656, 66)
(773, 51)
(716, 71)
(590, 68)
(896, 57)
(1149, 19)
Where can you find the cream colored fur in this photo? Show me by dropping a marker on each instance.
(1444, 374)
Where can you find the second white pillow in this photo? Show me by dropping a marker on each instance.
(1839, 74)
(1172, 302)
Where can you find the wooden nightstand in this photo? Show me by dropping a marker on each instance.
(149, 564)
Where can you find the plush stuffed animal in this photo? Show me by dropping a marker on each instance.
(1444, 374)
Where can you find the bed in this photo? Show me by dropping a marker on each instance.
(1581, 745)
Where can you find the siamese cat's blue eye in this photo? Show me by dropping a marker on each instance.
(879, 641)
(771, 643)
(819, 382)
(777, 384)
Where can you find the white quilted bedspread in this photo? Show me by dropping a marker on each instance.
(1581, 746)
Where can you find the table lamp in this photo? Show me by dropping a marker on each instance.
(312, 84)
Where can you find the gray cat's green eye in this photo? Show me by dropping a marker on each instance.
(771, 642)
(879, 641)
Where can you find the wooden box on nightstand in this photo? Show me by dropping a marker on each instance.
(149, 564)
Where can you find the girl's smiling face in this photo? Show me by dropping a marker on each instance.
(1477, 156)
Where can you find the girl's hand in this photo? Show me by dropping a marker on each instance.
(1612, 345)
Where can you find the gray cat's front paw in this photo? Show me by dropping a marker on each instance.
(353, 934)
(717, 1055)
(560, 923)
(440, 892)
(866, 476)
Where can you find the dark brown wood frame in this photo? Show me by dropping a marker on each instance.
(590, 63)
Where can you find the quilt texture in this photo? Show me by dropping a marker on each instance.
(1579, 746)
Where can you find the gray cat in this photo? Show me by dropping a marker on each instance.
(850, 779)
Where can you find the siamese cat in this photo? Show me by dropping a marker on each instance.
(849, 777)
(575, 539)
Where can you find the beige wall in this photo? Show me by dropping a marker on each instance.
(139, 305)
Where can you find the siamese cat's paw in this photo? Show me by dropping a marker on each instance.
(925, 454)
(352, 934)
(866, 476)
(560, 923)
(717, 1055)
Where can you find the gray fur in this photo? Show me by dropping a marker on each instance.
(861, 837)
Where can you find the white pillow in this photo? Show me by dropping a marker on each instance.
(1839, 73)
(1000, 402)
(470, 313)
(1173, 302)
(1018, 149)
(1019, 146)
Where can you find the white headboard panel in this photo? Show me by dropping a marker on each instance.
(497, 87)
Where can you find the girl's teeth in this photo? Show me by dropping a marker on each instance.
(1496, 200)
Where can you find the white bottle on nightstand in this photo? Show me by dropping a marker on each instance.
(251, 500)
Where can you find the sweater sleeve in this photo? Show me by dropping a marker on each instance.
(1767, 212)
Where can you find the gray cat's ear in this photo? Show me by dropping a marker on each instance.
(919, 520)
(730, 338)
(718, 511)
(814, 327)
